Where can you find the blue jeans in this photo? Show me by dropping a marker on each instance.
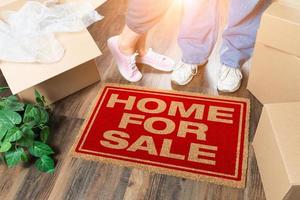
(199, 30)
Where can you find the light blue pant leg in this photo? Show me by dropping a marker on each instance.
(199, 30)
(240, 34)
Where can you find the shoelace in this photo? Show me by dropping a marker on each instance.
(225, 72)
(157, 56)
(132, 64)
(190, 69)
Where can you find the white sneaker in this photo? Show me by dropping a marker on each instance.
(183, 73)
(230, 79)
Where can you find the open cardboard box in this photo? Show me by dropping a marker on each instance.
(277, 149)
(274, 74)
(55, 81)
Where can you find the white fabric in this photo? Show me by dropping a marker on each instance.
(28, 35)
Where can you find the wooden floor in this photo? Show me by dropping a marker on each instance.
(80, 179)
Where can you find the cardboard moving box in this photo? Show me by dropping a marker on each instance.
(274, 74)
(280, 28)
(55, 81)
(277, 149)
(290, 2)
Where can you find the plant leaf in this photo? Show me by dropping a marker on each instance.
(13, 135)
(3, 89)
(28, 137)
(13, 158)
(40, 149)
(5, 146)
(3, 131)
(11, 103)
(39, 99)
(24, 157)
(32, 114)
(45, 164)
(44, 116)
(45, 134)
(9, 118)
(29, 125)
(26, 127)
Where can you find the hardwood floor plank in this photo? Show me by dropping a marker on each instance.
(200, 190)
(164, 187)
(10, 180)
(254, 189)
(37, 185)
(81, 179)
(138, 184)
(256, 109)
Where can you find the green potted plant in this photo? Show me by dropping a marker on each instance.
(24, 131)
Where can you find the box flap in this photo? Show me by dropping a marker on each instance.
(285, 120)
(6, 2)
(280, 28)
(283, 11)
(80, 48)
(96, 3)
(294, 3)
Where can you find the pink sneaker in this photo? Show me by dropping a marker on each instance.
(157, 61)
(126, 64)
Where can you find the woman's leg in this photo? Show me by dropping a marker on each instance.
(141, 45)
(128, 41)
(141, 16)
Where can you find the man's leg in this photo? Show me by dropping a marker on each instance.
(199, 30)
(197, 37)
(240, 34)
(238, 40)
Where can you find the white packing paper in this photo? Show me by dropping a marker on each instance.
(28, 35)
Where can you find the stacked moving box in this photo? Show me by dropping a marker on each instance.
(275, 72)
(275, 81)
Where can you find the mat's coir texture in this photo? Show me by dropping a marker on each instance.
(182, 134)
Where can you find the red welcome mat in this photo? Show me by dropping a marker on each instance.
(183, 134)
